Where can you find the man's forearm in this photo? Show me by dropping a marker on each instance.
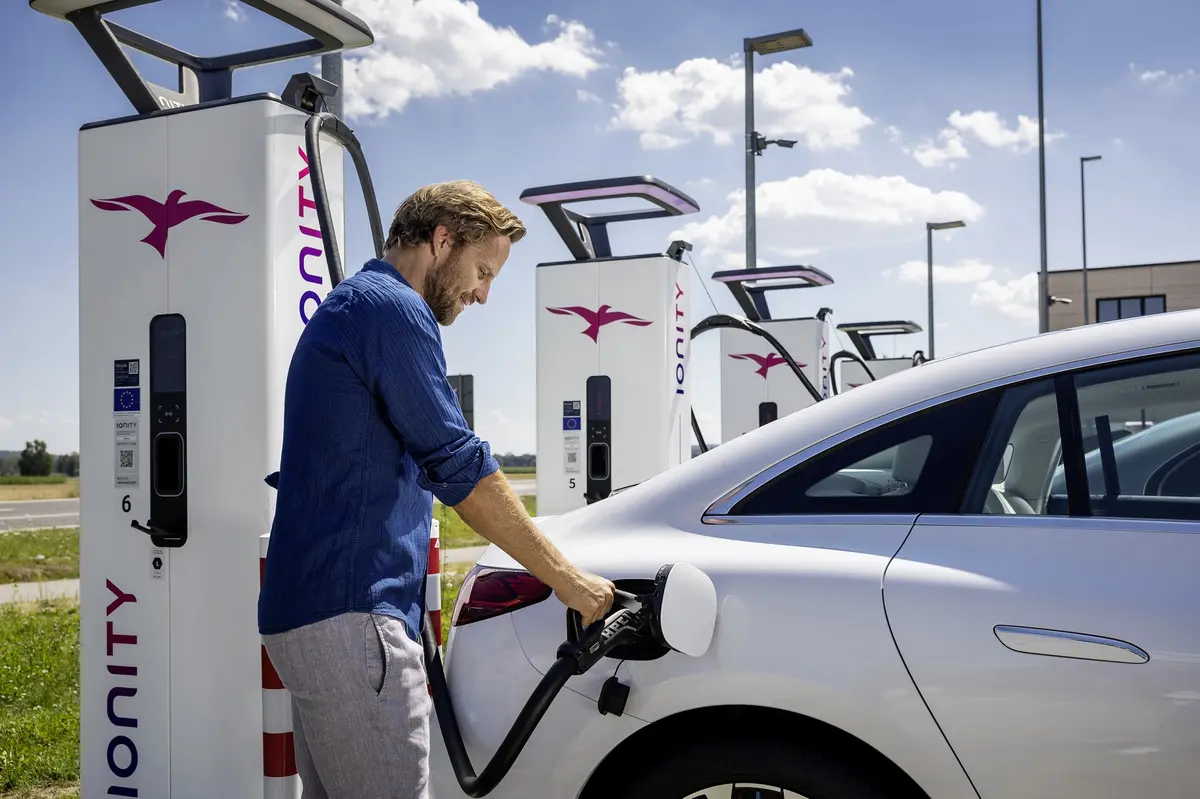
(493, 510)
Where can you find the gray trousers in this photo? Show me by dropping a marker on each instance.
(360, 707)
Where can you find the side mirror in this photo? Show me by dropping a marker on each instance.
(686, 602)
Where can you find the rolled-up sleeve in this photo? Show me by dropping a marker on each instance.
(396, 347)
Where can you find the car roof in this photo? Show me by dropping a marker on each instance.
(673, 496)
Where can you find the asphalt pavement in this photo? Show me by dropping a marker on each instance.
(44, 513)
(35, 513)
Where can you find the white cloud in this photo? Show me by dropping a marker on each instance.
(968, 270)
(435, 48)
(1161, 78)
(803, 214)
(703, 97)
(234, 10)
(584, 96)
(983, 127)
(1016, 298)
(952, 148)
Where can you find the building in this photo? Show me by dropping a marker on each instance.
(1118, 292)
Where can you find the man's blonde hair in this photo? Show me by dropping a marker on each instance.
(468, 211)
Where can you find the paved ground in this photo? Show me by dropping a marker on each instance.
(524, 486)
(40, 513)
(30, 515)
(36, 513)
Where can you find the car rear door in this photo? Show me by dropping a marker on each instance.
(1055, 638)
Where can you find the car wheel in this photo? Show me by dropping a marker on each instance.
(759, 768)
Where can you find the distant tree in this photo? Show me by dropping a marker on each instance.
(9, 464)
(35, 460)
(67, 464)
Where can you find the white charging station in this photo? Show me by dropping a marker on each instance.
(200, 262)
(613, 344)
(757, 386)
(851, 374)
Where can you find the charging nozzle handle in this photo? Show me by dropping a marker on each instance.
(329, 123)
(527, 720)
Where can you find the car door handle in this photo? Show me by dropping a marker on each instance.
(1064, 644)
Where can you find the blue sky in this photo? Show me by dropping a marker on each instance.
(904, 112)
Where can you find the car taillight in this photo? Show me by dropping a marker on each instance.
(488, 592)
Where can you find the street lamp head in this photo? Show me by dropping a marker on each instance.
(777, 42)
(944, 225)
(788, 143)
(1089, 158)
(1053, 300)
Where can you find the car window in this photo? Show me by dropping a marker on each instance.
(919, 463)
(1138, 451)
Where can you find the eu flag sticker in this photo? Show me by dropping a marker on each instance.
(127, 400)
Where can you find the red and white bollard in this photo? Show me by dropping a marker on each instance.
(433, 582)
(280, 780)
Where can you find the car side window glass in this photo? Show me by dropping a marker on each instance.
(1023, 449)
(916, 464)
(1141, 429)
(1140, 439)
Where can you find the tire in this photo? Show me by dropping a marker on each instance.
(793, 766)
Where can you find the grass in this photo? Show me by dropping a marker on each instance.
(452, 580)
(524, 472)
(31, 479)
(39, 699)
(28, 556)
(16, 488)
(455, 533)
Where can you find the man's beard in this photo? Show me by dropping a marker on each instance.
(441, 288)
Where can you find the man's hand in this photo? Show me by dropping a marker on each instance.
(493, 511)
(592, 596)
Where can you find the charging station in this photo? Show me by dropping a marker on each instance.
(851, 373)
(613, 401)
(200, 262)
(753, 391)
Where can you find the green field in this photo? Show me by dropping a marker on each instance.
(31, 479)
(39, 697)
(15, 488)
(520, 471)
(455, 533)
(33, 555)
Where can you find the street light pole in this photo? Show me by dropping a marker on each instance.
(1083, 228)
(1043, 274)
(929, 228)
(751, 151)
(763, 45)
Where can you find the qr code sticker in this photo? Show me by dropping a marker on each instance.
(125, 458)
(133, 367)
(572, 456)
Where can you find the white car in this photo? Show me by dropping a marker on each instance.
(905, 606)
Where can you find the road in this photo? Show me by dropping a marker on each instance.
(37, 513)
(31, 514)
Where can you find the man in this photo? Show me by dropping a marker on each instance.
(372, 428)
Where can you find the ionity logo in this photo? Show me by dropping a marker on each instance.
(604, 315)
(164, 216)
(765, 362)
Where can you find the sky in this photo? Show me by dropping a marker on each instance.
(903, 113)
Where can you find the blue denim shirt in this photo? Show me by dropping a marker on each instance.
(372, 431)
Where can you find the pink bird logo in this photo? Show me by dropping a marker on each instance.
(765, 362)
(164, 216)
(604, 315)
